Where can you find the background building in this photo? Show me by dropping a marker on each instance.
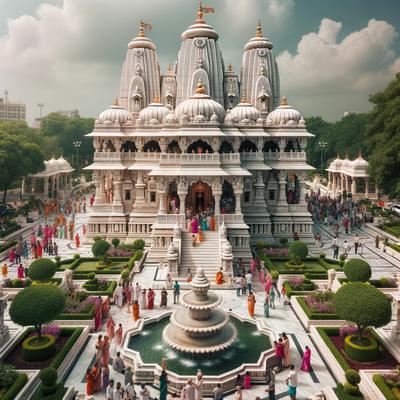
(10, 110)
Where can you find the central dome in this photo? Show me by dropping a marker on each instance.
(154, 113)
(244, 111)
(200, 104)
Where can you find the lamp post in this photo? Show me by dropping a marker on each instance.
(322, 146)
(77, 144)
(40, 105)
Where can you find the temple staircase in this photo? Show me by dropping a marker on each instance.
(206, 255)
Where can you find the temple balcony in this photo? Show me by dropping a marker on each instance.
(286, 155)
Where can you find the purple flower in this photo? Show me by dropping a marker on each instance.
(296, 282)
(51, 329)
(348, 330)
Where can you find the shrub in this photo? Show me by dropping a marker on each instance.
(351, 389)
(352, 376)
(96, 238)
(322, 255)
(260, 245)
(8, 375)
(92, 275)
(37, 305)
(365, 352)
(284, 241)
(100, 247)
(115, 242)
(138, 244)
(16, 387)
(357, 270)
(77, 256)
(32, 351)
(342, 257)
(17, 283)
(362, 304)
(298, 251)
(383, 387)
(48, 376)
(42, 270)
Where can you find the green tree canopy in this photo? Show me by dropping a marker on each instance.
(384, 133)
(42, 270)
(298, 250)
(100, 247)
(357, 270)
(37, 305)
(18, 158)
(362, 304)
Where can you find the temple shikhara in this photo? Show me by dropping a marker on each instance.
(200, 138)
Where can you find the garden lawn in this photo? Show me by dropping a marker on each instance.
(392, 229)
(309, 266)
(335, 343)
(91, 266)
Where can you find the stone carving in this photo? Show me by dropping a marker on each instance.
(331, 278)
(67, 283)
(177, 230)
(223, 231)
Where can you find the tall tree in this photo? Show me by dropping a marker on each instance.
(18, 158)
(384, 138)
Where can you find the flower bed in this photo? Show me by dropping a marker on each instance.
(78, 306)
(319, 306)
(389, 387)
(100, 287)
(336, 343)
(67, 338)
(298, 286)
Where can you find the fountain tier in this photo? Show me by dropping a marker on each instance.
(200, 327)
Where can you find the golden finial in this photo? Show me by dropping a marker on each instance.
(200, 88)
(259, 33)
(230, 68)
(244, 100)
(142, 26)
(200, 14)
(284, 101)
(115, 102)
(156, 99)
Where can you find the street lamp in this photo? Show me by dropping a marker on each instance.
(40, 105)
(77, 144)
(322, 146)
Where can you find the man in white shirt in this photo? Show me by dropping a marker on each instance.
(291, 381)
(110, 390)
(249, 280)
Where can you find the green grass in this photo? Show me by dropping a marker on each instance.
(392, 229)
(309, 266)
(91, 266)
(379, 381)
(343, 395)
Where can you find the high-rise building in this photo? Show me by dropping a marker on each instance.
(10, 110)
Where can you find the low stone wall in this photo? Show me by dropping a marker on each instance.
(30, 386)
(368, 387)
(329, 393)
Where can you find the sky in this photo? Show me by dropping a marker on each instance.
(68, 54)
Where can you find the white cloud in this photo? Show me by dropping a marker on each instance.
(362, 63)
(279, 9)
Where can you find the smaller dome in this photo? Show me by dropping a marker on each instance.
(244, 111)
(115, 114)
(170, 119)
(284, 115)
(229, 118)
(259, 41)
(199, 104)
(154, 113)
(360, 162)
(214, 118)
(51, 165)
(63, 164)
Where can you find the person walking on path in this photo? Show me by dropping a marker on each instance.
(272, 298)
(291, 381)
(306, 362)
(251, 302)
(249, 280)
(177, 292)
(270, 379)
(356, 243)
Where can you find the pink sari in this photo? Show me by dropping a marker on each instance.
(195, 226)
(268, 284)
(262, 276)
(253, 266)
(306, 363)
(98, 315)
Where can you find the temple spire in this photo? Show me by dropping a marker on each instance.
(259, 33)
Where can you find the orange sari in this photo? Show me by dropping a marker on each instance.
(135, 310)
(200, 235)
(219, 278)
(89, 384)
(251, 303)
(212, 223)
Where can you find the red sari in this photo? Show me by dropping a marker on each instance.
(118, 336)
(150, 299)
(96, 371)
(106, 352)
(89, 384)
(110, 328)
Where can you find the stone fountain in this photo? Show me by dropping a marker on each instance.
(200, 326)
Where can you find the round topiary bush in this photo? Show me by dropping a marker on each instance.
(298, 251)
(100, 248)
(357, 270)
(37, 305)
(35, 349)
(48, 376)
(42, 270)
(138, 244)
(352, 376)
(351, 389)
(364, 305)
(115, 242)
(366, 352)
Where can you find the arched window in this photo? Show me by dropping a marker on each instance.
(263, 103)
(200, 147)
(152, 146)
(289, 146)
(292, 189)
(247, 146)
(137, 103)
(225, 147)
(270, 145)
(228, 199)
(129, 146)
(173, 147)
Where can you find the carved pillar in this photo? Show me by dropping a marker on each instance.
(259, 200)
(236, 144)
(182, 192)
(366, 187)
(140, 187)
(217, 200)
(238, 190)
(46, 186)
(161, 190)
(353, 186)
(282, 189)
(163, 144)
(302, 182)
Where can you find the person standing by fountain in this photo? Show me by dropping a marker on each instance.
(286, 350)
(218, 393)
(219, 278)
(143, 300)
(137, 291)
(306, 362)
(249, 280)
(198, 384)
(150, 298)
(272, 298)
(118, 336)
(163, 385)
(251, 303)
(238, 394)
(177, 292)
(110, 327)
(164, 298)
(188, 391)
(119, 296)
(291, 381)
(135, 310)
(266, 306)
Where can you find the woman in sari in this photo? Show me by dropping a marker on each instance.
(89, 382)
(150, 298)
(212, 223)
(306, 363)
(219, 278)
(98, 314)
(118, 335)
(268, 283)
(251, 303)
(266, 306)
(106, 351)
(164, 298)
(253, 266)
(135, 310)
(11, 255)
(143, 300)
(99, 348)
(262, 276)
(77, 240)
(96, 377)
(21, 272)
(110, 326)
(286, 350)
(204, 226)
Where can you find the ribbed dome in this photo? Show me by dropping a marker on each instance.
(200, 105)
(154, 112)
(245, 111)
(63, 164)
(170, 119)
(114, 115)
(284, 115)
(51, 165)
(360, 162)
(259, 41)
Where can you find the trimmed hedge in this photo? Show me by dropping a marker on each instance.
(41, 352)
(313, 315)
(7, 245)
(383, 387)
(324, 333)
(361, 353)
(108, 292)
(306, 285)
(42, 270)
(343, 395)
(357, 270)
(16, 387)
(315, 275)
(394, 247)
(57, 395)
(136, 257)
(78, 316)
(59, 358)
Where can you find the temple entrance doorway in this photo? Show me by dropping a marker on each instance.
(173, 199)
(199, 197)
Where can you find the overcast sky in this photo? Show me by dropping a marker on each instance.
(68, 53)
